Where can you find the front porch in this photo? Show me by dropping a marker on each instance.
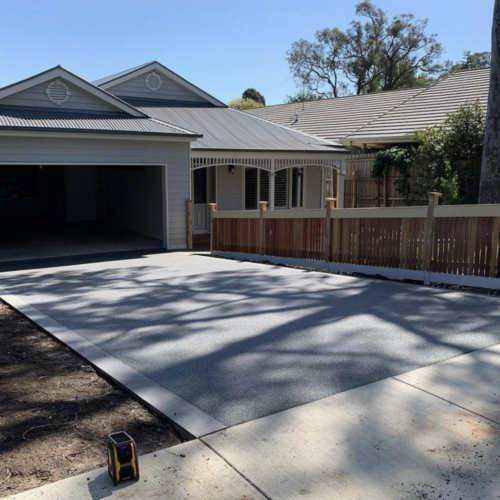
(239, 181)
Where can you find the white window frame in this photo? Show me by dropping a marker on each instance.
(289, 183)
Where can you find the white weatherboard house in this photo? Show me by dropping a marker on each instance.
(128, 150)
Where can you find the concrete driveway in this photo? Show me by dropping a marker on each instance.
(243, 340)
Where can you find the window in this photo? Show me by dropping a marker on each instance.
(288, 188)
(200, 186)
(256, 187)
(281, 189)
(251, 193)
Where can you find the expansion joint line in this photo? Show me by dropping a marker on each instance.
(264, 494)
(447, 401)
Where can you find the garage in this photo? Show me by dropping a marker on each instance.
(82, 172)
(49, 211)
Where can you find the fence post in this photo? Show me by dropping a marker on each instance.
(429, 235)
(340, 187)
(494, 247)
(262, 235)
(386, 188)
(355, 190)
(189, 216)
(213, 208)
(330, 204)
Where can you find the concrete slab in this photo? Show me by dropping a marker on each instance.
(242, 340)
(386, 440)
(186, 416)
(69, 239)
(188, 471)
(471, 381)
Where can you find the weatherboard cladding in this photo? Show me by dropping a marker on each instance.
(169, 90)
(78, 121)
(229, 129)
(429, 106)
(78, 100)
(333, 119)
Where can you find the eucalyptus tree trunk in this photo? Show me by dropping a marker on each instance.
(489, 190)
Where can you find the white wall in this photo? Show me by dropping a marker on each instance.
(229, 188)
(313, 186)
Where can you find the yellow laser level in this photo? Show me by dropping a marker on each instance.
(122, 457)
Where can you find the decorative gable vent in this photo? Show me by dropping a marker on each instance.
(153, 81)
(58, 92)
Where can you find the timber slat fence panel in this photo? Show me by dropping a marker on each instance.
(445, 241)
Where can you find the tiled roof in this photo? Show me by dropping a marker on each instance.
(229, 129)
(78, 121)
(333, 119)
(428, 107)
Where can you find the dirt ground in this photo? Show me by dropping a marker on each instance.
(56, 412)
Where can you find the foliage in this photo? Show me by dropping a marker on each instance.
(449, 155)
(376, 53)
(243, 104)
(302, 96)
(399, 159)
(470, 60)
(254, 95)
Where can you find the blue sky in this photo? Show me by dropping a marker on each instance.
(223, 46)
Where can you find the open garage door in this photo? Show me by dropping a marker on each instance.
(67, 210)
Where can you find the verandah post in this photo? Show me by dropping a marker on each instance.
(330, 205)
(262, 235)
(213, 208)
(429, 235)
(189, 216)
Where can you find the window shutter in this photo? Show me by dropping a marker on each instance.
(264, 186)
(280, 189)
(250, 188)
(297, 188)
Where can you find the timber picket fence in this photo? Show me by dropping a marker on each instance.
(434, 244)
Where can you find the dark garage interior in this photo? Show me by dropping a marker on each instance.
(53, 211)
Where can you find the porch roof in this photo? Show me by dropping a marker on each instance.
(226, 129)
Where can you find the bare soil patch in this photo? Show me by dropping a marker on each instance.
(56, 411)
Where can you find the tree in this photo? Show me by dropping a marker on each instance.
(243, 104)
(376, 53)
(448, 156)
(489, 190)
(302, 96)
(470, 60)
(254, 95)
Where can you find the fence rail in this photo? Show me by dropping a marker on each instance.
(448, 244)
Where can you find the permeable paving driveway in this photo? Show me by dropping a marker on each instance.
(243, 340)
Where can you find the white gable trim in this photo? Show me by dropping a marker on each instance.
(156, 66)
(59, 72)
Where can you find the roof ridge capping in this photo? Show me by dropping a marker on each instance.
(78, 81)
(112, 80)
(416, 96)
(329, 99)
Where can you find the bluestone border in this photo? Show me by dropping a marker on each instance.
(188, 419)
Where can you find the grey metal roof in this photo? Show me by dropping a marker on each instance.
(110, 78)
(333, 119)
(229, 129)
(426, 108)
(78, 121)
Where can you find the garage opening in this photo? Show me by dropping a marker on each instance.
(66, 210)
